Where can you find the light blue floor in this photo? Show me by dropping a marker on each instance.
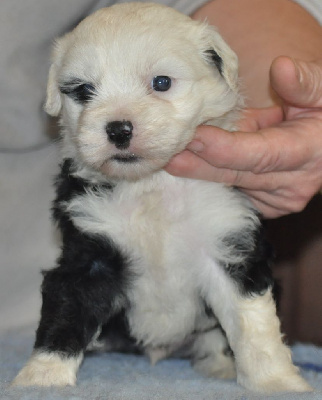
(126, 377)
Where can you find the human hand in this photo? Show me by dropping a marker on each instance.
(276, 156)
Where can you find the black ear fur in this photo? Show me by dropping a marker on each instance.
(215, 58)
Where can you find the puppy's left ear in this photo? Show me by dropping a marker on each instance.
(221, 56)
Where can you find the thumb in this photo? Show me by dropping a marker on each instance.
(298, 83)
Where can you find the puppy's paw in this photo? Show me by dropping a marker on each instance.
(283, 383)
(48, 369)
(219, 366)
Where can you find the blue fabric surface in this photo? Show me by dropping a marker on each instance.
(129, 377)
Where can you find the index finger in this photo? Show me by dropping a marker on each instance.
(267, 150)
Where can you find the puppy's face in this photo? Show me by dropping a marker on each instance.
(133, 81)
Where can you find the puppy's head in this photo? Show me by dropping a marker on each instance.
(133, 81)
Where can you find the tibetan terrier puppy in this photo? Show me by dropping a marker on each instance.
(151, 262)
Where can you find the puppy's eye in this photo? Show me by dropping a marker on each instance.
(161, 83)
(84, 92)
(78, 91)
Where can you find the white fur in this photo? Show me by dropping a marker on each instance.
(155, 229)
(198, 93)
(263, 362)
(48, 369)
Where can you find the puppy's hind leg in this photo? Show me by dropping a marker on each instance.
(241, 298)
(263, 361)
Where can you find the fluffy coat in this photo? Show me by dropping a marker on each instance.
(151, 262)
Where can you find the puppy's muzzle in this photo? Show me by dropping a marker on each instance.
(120, 133)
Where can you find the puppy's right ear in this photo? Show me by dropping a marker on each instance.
(53, 102)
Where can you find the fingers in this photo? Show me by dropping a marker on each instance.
(188, 164)
(259, 152)
(263, 205)
(233, 150)
(273, 195)
(298, 83)
(274, 192)
(276, 203)
(268, 192)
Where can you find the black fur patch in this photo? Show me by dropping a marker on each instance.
(69, 186)
(79, 91)
(254, 276)
(87, 287)
(216, 59)
(82, 293)
(115, 336)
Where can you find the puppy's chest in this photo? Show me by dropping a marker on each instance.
(167, 233)
(152, 230)
(139, 223)
(163, 228)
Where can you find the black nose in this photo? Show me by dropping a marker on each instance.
(119, 133)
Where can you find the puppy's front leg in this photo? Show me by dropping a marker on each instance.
(241, 298)
(80, 295)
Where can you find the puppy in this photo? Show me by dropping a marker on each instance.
(152, 262)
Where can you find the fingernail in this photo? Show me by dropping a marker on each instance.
(196, 146)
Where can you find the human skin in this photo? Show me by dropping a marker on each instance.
(276, 155)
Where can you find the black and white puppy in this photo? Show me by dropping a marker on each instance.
(153, 262)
